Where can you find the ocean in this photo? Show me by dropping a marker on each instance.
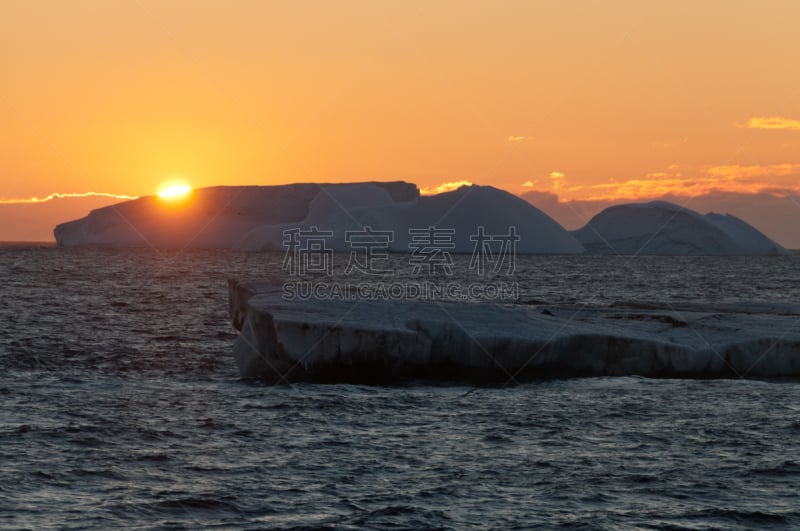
(122, 407)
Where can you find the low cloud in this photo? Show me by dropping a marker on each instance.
(744, 179)
(773, 122)
(557, 179)
(56, 195)
(738, 172)
(444, 187)
(553, 182)
(670, 181)
(32, 219)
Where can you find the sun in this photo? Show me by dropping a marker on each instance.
(174, 191)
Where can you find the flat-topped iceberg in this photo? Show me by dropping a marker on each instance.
(255, 217)
(662, 228)
(375, 340)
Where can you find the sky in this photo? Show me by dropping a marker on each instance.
(581, 103)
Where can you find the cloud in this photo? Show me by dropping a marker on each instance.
(639, 189)
(518, 138)
(736, 171)
(773, 122)
(62, 196)
(557, 179)
(752, 179)
(444, 187)
(661, 175)
(554, 182)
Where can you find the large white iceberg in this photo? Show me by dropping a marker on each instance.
(662, 228)
(372, 340)
(255, 217)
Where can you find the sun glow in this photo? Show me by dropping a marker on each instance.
(174, 191)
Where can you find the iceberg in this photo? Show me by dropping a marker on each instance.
(284, 340)
(749, 239)
(255, 217)
(662, 228)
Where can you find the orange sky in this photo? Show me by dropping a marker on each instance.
(588, 100)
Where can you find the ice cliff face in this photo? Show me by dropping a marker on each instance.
(661, 228)
(255, 217)
(373, 340)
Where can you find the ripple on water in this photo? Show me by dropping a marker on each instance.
(122, 408)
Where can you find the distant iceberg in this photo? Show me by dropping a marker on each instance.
(662, 228)
(255, 217)
(373, 340)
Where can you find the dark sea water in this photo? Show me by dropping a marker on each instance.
(122, 408)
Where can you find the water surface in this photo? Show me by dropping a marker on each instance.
(122, 407)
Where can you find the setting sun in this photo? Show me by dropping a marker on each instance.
(174, 191)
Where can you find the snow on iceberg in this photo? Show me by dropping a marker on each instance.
(371, 340)
(662, 228)
(255, 217)
(745, 235)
